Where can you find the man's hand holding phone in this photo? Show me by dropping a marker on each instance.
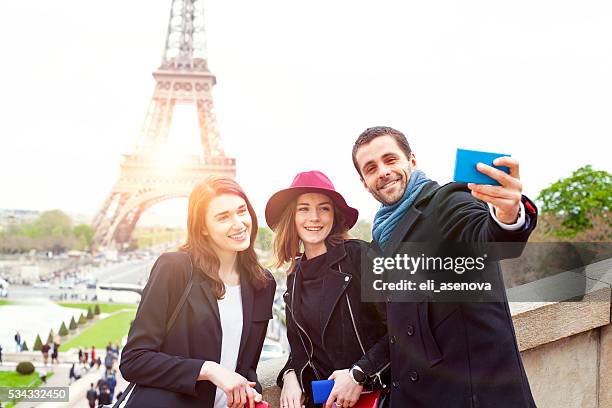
(506, 197)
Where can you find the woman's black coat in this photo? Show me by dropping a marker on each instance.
(340, 306)
(166, 367)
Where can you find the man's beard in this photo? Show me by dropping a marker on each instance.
(381, 198)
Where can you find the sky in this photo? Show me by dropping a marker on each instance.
(296, 84)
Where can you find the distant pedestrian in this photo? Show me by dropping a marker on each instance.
(112, 382)
(92, 396)
(45, 353)
(109, 360)
(0, 355)
(98, 363)
(80, 355)
(17, 342)
(55, 352)
(105, 396)
(93, 354)
(78, 372)
(42, 373)
(71, 375)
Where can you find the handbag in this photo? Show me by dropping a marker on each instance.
(175, 313)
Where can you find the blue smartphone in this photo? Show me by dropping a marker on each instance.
(465, 166)
(321, 390)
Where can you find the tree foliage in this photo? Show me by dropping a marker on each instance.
(53, 223)
(84, 233)
(577, 199)
(265, 238)
(63, 331)
(37, 343)
(362, 230)
(51, 231)
(51, 337)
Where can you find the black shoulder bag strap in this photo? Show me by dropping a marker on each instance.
(169, 324)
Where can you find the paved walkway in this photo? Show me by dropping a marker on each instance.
(78, 389)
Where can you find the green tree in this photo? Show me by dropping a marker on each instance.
(53, 223)
(50, 337)
(72, 325)
(82, 319)
(84, 233)
(90, 314)
(97, 309)
(362, 230)
(24, 346)
(63, 331)
(265, 238)
(37, 343)
(577, 199)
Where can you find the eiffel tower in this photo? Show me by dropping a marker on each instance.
(182, 78)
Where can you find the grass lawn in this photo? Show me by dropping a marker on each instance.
(6, 302)
(104, 307)
(112, 329)
(14, 379)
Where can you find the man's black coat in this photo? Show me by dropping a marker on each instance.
(166, 367)
(455, 354)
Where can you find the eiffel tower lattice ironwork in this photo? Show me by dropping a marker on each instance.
(182, 78)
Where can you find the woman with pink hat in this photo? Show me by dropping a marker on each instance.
(332, 334)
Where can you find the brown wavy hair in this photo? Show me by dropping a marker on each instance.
(287, 242)
(204, 258)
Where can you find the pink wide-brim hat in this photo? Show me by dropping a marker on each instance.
(308, 182)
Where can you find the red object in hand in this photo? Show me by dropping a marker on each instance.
(262, 404)
(368, 400)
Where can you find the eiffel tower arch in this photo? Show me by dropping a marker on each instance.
(147, 177)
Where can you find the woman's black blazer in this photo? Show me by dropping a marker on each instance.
(166, 367)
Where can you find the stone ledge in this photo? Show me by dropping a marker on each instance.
(585, 305)
(267, 371)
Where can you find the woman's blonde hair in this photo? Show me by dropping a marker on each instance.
(287, 242)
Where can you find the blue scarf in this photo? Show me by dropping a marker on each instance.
(388, 216)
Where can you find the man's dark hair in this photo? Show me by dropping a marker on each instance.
(372, 133)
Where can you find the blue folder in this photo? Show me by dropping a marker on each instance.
(321, 390)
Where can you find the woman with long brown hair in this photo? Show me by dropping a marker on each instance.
(218, 299)
(332, 334)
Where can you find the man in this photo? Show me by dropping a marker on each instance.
(104, 397)
(55, 352)
(92, 396)
(446, 354)
(42, 373)
(17, 342)
(45, 353)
